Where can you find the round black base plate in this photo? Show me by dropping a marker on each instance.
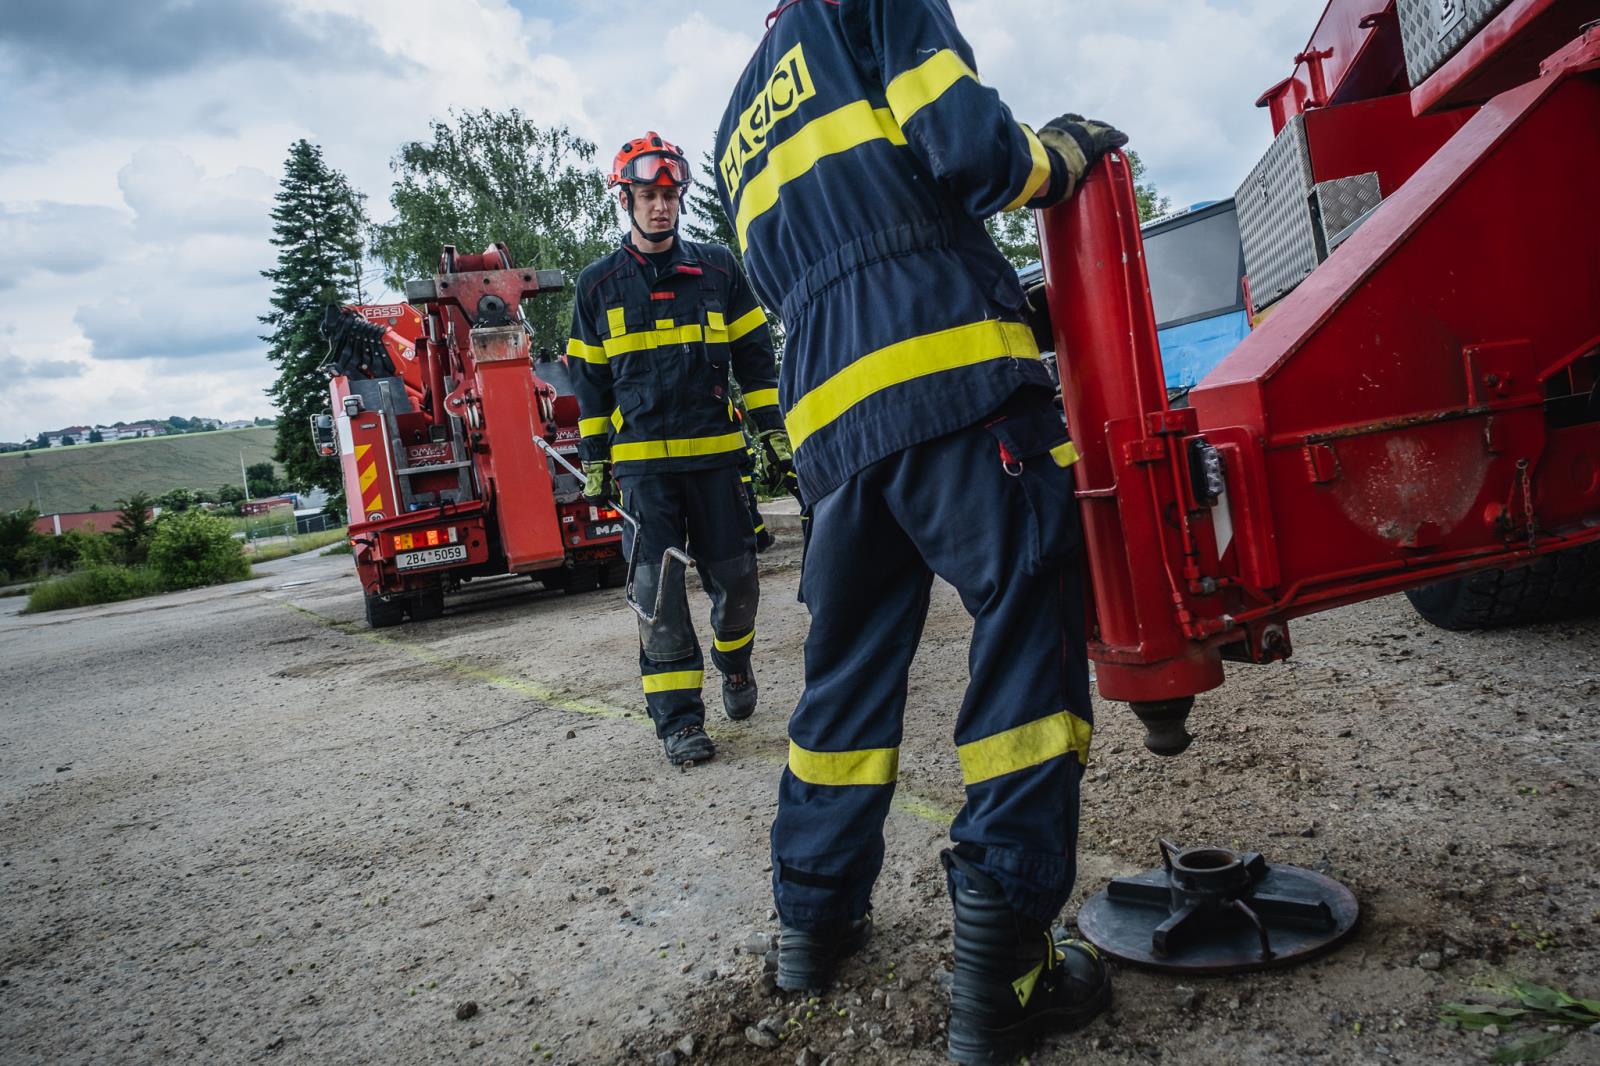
(1228, 944)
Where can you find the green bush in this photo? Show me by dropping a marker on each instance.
(97, 584)
(193, 548)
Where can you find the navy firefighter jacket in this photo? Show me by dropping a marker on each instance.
(650, 356)
(857, 159)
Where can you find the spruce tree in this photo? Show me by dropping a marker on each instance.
(317, 226)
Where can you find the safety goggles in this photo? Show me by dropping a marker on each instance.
(647, 169)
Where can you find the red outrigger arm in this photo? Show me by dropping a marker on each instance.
(1424, 404)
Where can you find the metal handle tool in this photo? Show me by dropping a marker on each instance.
(668, 557)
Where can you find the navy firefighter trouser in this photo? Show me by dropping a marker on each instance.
(991, 510)
(709, 511)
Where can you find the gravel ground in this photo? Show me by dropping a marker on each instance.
(236, 825)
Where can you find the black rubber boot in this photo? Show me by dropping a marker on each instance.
(739, 699)
(1014, 980)
(688, 746)
(806, 961)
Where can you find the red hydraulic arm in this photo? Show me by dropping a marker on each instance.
(1425, 403)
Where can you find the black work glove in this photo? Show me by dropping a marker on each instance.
(1081, 142)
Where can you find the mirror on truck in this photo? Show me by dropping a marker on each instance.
(322, 435)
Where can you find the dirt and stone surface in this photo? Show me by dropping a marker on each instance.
(237, 826)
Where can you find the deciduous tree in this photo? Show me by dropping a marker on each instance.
(487, 176)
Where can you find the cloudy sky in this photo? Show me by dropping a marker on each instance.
(143, 141)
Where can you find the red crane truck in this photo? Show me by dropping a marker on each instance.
(1418, 404)
(436, 404)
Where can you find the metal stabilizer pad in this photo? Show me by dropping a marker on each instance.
(1212, 910)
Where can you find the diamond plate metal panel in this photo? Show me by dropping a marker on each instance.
(1340, 203)
(1434, 30)
(1275, 220)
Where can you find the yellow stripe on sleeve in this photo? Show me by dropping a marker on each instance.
(915, 89)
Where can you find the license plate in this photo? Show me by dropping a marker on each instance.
(450, 553)
(605, 529)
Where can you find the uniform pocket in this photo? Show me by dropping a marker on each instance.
(1035, 451)
(715, 333)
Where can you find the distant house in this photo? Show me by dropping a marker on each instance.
(83, 521)
(238, 423)
(79, 434)
(265, 504)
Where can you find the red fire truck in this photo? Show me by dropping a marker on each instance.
(436, 404)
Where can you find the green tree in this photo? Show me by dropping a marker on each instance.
(230, 495)
(1017, 238)
(194, 548)
(262, 480)
(95, 437)
(177, 501)
(704, 219)
(67, 441)
(317, 226)
(487, 176)
(18, 543)
(132, 529)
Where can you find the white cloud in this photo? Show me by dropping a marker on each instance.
(135, 181)
(172, 196)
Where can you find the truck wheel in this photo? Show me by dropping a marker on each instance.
(427, 604)
(1564, 584)
(582, 579)
(381, 614)
(614, 574)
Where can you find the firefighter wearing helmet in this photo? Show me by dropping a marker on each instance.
(857, 161)
(657, 326)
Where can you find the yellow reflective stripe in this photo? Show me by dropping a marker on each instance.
(905, 361)
(872, 766)
(623, 343)
(587, 352)
(761, 398)
(761, 527)
(1065, 454)
(676, 682)
(616, 419)
(915, 89)
(665, 323)
(1039, 176)
(677, 449)
(594, 427)
(746, 323)
(617, 321)
(734, 645)
(837, 131)
(1026, 745)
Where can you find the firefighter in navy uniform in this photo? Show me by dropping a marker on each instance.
(657, 326)
(857, 160)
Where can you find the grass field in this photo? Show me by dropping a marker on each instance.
(84, 475)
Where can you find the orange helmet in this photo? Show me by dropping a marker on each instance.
(650, 160)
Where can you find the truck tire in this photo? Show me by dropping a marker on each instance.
(614, 574)
(582, 579)
(382, 614)
(1561, 585)
(427, 604)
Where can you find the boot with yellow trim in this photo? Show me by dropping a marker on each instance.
(1014, 980)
